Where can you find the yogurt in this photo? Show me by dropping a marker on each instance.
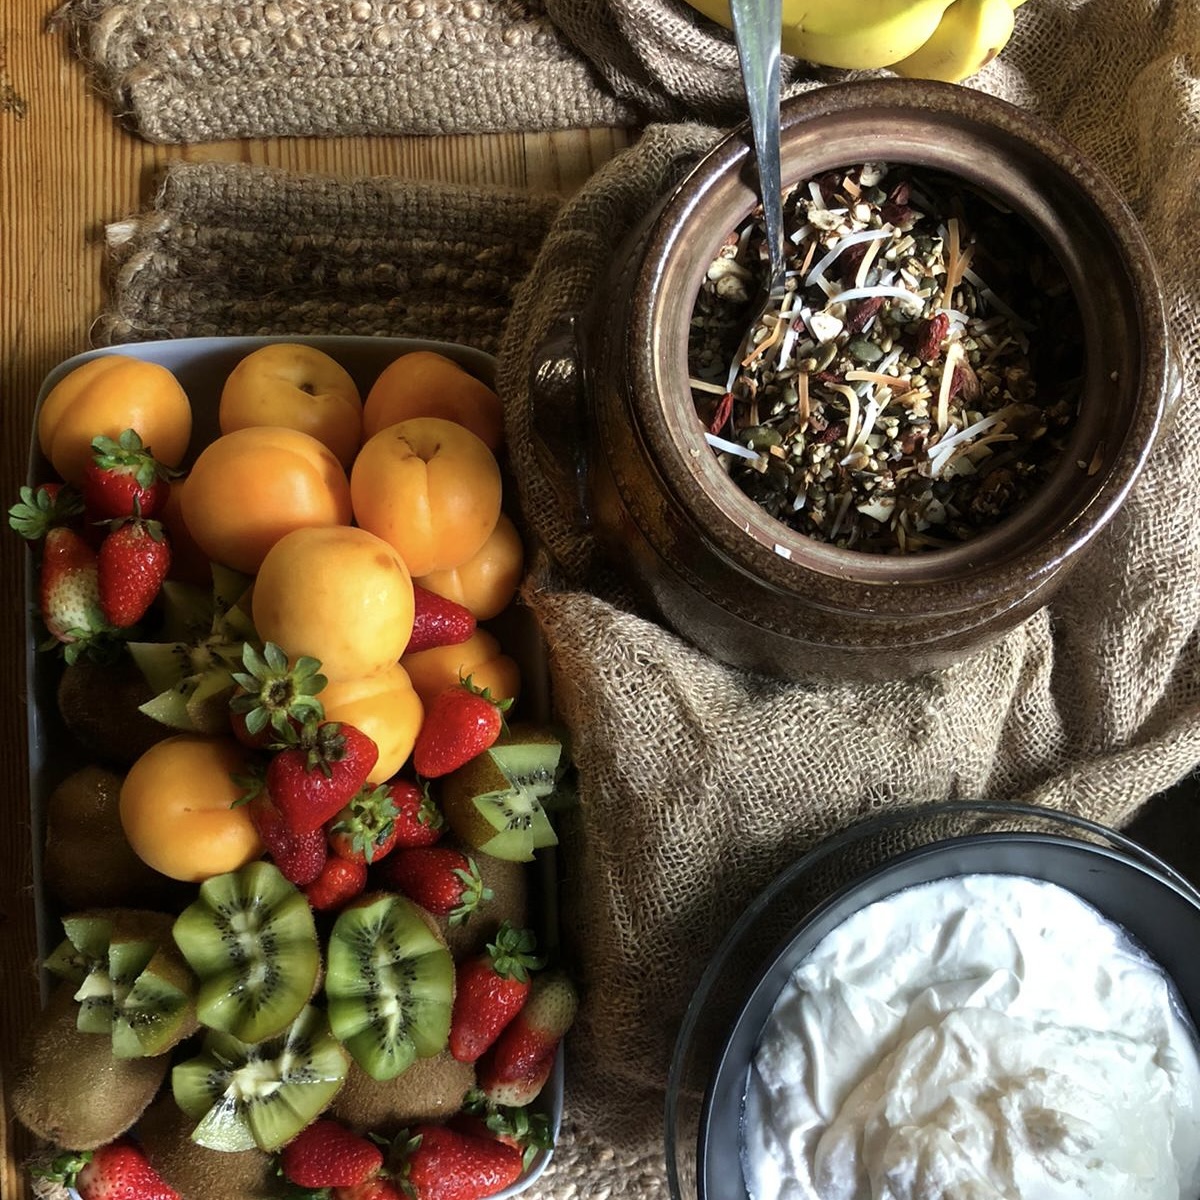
(986, 1037)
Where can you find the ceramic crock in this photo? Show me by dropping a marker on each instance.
(747, 589)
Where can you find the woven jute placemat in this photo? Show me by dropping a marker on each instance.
(698, 783)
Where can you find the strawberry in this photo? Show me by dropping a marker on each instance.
(300, 857)
(516, 1068)
(440, 1163)
(69, 591)
(526, 1131)
(379, 819)
(116, 1171)
(274, 698)
(124, 479)
(462, 721)
(133, 561)
(315, 778)
(339, 882)
(380, 1187)
(441, 880)
(489, 990)
(42, 508)
(329, 1154)
(437, 621)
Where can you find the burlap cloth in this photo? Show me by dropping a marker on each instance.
(698, 783)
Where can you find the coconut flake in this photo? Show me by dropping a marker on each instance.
(851, 239)
(720, 443)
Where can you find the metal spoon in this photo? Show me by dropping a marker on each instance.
(757, 28)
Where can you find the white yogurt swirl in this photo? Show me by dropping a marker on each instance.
(986, 1037)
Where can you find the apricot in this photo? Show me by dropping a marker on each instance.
(107, 395)
(386, 708)
(427, 384)
(250, 487)
(339, 594)
(487, 581)
(177, 807)
(429, 488)
(298, 387)
(480, 657)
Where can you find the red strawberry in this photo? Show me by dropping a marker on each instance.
(133, 562)
(440, 1163)
(381, 818)
(329, 1154)
(124, 479)
(462, 721)
(299, 856)
(525, 1131)
(380, 1187)
(274, 698)
(42, 508)
(440, 879)
(314, 779)
(339, 882)
(69, 591)
(489, 991)
(437, 621)
(117, 1171)
(516, 1068)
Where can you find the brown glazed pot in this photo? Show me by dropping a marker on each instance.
(744, 587)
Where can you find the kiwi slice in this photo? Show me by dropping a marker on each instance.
(251, 939)
(192, 676)
(131, 982)
(68, 1087)
(432, 1089)
(260, 1094)
(493, 803)
(389, 984)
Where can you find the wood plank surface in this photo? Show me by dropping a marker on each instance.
(66, 170)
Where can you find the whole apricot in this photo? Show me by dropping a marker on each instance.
(250, 487)
(107, 395)
(424, 383)
(429, 488)
(339, 594)
(385, 707)
(298, 387)
(487, 581)
(177, 807)
(480, 657)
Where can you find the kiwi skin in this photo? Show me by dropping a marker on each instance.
(70, 1089)
(87, 861)
(430, 1090)
(99, 706)
(196, 1172)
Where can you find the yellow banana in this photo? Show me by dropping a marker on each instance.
(970, 35)
(856, 34)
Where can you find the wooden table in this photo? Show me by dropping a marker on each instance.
(66, 170)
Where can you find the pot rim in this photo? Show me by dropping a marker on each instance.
(1026, 547)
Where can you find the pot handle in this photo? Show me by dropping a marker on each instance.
(558, 416)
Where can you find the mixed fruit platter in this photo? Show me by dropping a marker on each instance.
(292, 810)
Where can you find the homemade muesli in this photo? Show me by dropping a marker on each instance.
(916, 378)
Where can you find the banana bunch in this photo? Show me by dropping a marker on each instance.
(920, 39)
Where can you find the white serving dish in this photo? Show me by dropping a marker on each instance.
(201, 366)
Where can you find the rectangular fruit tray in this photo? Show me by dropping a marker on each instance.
(201, 366)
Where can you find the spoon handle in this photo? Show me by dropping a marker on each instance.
(757, 29)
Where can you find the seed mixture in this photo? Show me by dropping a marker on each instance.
(917, 376)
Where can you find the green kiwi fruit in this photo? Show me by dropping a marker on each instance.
(251, 939)
(70, 1089)
(191, 677)
(389, 984)
(493, 803)
(100, 704)
(244, 1095)
(430, 1090)
(196, 1172)
(508, 882)
(131, 982)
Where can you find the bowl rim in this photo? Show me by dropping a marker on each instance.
(953, 579)
(1117, 847)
